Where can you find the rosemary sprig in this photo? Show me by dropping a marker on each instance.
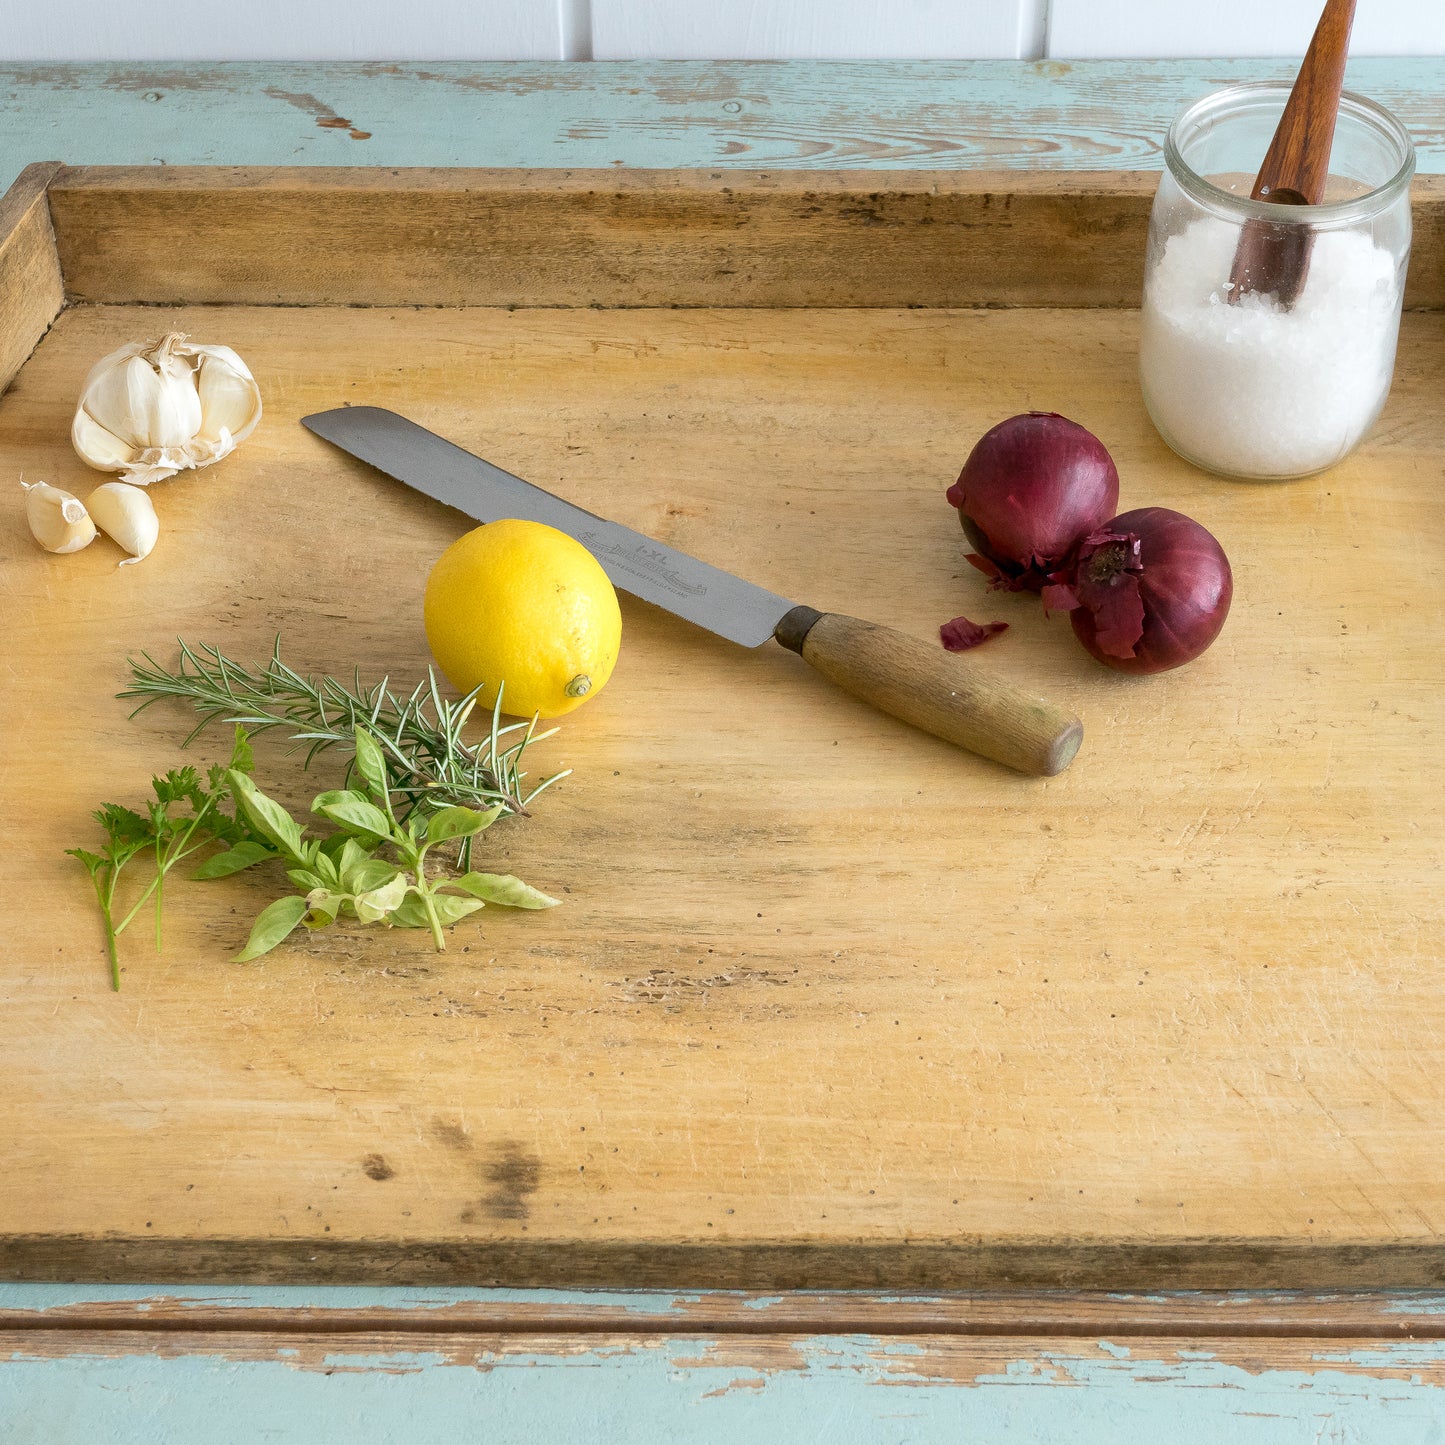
(420, 734)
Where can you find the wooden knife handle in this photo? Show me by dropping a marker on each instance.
(940, 692)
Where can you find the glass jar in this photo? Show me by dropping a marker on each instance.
(1263, 387)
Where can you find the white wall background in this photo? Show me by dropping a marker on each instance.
(61, 30)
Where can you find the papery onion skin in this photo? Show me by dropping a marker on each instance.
(1184, 582)
(961, 635)
(1031, 488)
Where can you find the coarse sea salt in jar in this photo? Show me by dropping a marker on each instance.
(1261, 388)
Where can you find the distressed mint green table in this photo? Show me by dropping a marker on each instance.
(90, 1362)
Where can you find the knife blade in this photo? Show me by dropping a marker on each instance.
(946, 695)
(427, 463)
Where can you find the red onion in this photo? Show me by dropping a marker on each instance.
(1149, 591)
(1030, 489)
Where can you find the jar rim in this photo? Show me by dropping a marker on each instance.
(1355, 208)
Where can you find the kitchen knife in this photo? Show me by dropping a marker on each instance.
(949, 696)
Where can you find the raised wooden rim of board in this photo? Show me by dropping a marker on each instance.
(310, 236)
(919, 1267)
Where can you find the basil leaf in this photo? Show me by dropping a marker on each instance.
(371, 763)
(502, 888)
(451, 909)
(233, 860)
(274, 924)
(267, 816)
(353, 812)
(325, 868)
(305, 878)
(368, 875)
(322, 907)
(373, 906)
(408, 914)
(459, 822)
(352, 854)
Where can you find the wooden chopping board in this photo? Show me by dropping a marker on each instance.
(828, 1001)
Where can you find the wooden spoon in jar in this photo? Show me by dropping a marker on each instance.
(1273, 257)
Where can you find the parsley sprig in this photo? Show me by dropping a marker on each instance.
(164, 835)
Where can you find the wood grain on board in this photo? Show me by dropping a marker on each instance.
(828, 1002)
(294, 236)
(598, 238)
(31, 290)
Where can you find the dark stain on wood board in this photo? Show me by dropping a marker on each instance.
(510, 1173)
(513, 1173)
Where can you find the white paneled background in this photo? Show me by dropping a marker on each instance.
(1097, 29)
(812, 29)
(61, 30)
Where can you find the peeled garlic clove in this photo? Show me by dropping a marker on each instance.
(230, 398)
(58, 520)
(127, 516)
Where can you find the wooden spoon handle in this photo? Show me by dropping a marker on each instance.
(1297, 163)
(944, 694)
(1274, 257)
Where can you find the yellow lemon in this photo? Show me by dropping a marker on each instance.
(522, 607)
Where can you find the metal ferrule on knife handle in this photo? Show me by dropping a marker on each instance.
(940, 692)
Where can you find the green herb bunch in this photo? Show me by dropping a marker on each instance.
(344, 874)
(373, 868)
(425, 756)
(187, 815)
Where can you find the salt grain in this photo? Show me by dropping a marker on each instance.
(1255, 390)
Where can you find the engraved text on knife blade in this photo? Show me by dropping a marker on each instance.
(650, 564)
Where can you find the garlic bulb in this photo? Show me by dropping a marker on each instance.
(127, 516)
(153, 409)
(58, 521)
